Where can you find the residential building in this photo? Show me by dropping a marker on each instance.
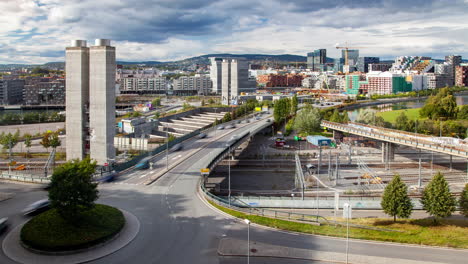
(11, 91)
(48, 92)
(379, 67)
(154, 85)
(461, 75)
(438, 80)
(453, 61)
(192, 85)
(382, 83)
(363, 63)
(317, 59)
(280, 80)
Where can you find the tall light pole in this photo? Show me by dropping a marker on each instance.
(346, 208)
(248, 239)
(229, 176)
(167, 147)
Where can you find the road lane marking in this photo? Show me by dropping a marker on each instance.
(176, 157)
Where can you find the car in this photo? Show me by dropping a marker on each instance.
(238, 122)
(143, 164)
(268, 120)
(3, 224)
(37, 207)
(220, 127)
(230, 126)
(177, 147)
(247, 120)
(108, 177)
(201, 135)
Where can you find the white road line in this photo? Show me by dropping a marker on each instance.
(176, 157)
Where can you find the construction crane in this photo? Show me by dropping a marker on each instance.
(346, 48)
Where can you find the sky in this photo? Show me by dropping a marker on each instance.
(37, 31)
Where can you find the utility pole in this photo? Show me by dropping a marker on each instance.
(167, 148)
(419, 175)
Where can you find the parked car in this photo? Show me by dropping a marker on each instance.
(177, 147)
(37, 207)
(220, 127)
(3, 224)
(230, 126)
(268, 120)
(201, 135)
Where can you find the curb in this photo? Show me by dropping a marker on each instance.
(13, 249)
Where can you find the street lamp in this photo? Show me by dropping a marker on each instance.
(167, 147)
(248, 239)
(347, 214)
(229, 176)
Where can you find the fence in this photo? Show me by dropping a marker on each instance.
(16, 176)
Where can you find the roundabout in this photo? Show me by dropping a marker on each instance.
(84, 252)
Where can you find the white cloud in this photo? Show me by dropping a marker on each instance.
(38, 31)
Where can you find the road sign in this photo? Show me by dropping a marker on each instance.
(205, 171)
(258, 109)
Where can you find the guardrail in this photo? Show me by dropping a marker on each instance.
(419, 143)
(15, 176)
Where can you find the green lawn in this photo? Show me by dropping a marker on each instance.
(450, 233)
(391, 116)
(50, 232)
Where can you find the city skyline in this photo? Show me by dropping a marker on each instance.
(34, 32)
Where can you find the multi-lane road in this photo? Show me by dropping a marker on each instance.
(177, 226)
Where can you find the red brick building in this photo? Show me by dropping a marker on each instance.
(280, 80)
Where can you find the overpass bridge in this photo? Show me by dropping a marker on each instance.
(392, 137)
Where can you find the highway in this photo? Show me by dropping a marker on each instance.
(177, 226)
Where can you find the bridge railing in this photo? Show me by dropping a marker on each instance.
(397, 136)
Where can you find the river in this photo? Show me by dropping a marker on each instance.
(353, 114)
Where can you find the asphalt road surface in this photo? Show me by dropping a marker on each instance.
(178, 227)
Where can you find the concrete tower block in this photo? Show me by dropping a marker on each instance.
(77, 98)
(102, 101)
(225, 82)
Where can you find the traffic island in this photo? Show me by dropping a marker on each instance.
(49, 232)
(103, 242)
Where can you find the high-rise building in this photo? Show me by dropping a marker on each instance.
(453, 61)
(363, 63)
(379, 67)
(102, 100)
(353, 56)
(461, 75)
(77, 99)
(11, 91)
(143, 85)
(215, 74)
(317, 59)
(235, 80)
(90, 100)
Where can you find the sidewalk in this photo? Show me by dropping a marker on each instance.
(237, 247)
(13, 249)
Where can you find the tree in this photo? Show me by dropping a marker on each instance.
(335, 117)
(437, 199)
(401, 122)
(203, 102)
(211, 101)
(9, 141)
(45, 141)
(463, 113)
(227, 117)
(345, 117)
(395, 199)
(464, 201)
(55, 140)
(156, 102)
(294, 104)
(308, 120)
(72, 190)
(27, 142)
(157, 115)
